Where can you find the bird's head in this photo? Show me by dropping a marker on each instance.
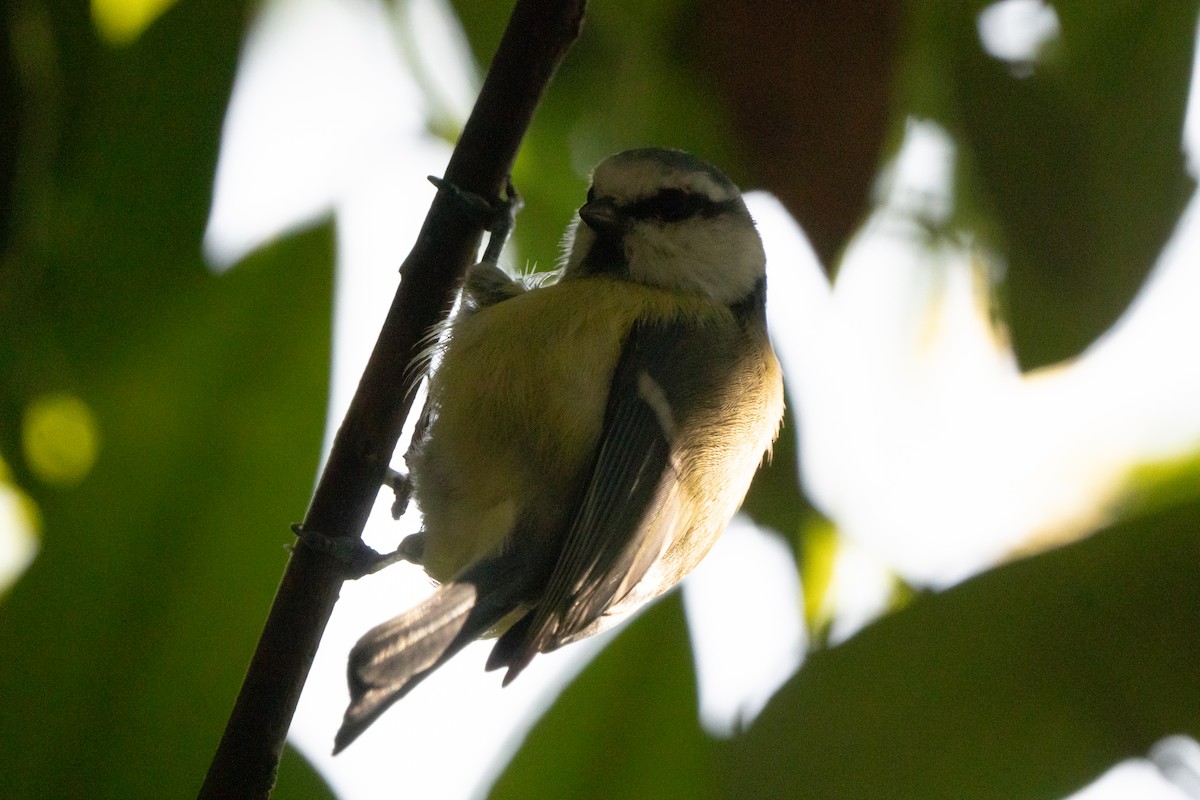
(665, 218)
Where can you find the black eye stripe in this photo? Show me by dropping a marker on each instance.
(668, 205)
(674, 205)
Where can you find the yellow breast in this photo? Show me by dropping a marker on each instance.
(519, 400)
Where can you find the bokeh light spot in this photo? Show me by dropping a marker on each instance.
(121, 22)
(60, 438)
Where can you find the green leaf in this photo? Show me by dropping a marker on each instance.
(298, 780)
(126, 641)
(1081, 162)
(626, 727)
(1026, 682)
(135, 623)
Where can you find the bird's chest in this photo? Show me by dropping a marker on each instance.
(530, 403)
(518, 399)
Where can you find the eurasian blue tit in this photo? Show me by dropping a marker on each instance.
(587, 440)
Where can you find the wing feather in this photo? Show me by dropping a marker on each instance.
(626, 518)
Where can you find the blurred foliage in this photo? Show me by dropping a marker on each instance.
(197, 400)
(808, 86)
(166, 421)
(1072, 171)
(1025, 682)
(298, 780)
(631, 51)
(645, 741)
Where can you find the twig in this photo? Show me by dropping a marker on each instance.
(534, 43)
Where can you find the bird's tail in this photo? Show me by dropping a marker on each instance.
(392, 658)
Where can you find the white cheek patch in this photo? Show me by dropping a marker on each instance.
(717, 257)
(575, 245)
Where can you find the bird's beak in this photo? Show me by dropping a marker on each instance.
(602, 216)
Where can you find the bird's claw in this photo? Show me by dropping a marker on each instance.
(497, 217)
(354, 556)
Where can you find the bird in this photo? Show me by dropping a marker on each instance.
(586, 439)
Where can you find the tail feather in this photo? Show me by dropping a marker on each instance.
(411, 643)
(514, 650)
(392, 658)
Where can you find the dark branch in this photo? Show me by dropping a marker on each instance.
(538, 36)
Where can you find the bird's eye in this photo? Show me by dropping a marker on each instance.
(591, 195)
(672, 205)
(669, 205)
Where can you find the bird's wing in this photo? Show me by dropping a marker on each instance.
(632, 507)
